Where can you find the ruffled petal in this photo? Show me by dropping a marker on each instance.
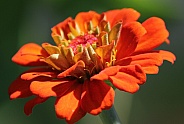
(83, 20)
(129, 37)
(51, 88)
(68, 106)
(29, 55)
(104, 74)
(148, 61)
(124, 78)
(166, 55)
(39, 72)
(19, 89)
(155, 36)
(30, 104)
(128, 78)
(74, 70)
(96, 96)
(124, 15)
(113, 70)
(61, 30)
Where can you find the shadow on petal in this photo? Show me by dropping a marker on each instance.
(155, 36)
(29, 55)
(68, 106)
(128, 78)
(96, 96)
(30, 104)
(20, 87)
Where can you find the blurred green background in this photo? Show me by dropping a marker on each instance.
(159, 101)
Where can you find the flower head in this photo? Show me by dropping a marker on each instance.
(89, 50)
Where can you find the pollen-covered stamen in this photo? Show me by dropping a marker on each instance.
(82, 40)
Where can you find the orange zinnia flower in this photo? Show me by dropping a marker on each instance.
(89, 50)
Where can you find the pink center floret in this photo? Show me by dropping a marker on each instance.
(82, 40)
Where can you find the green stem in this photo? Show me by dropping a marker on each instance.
(110, 116)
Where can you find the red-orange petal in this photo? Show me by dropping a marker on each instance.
(124, 15)
(151, 69)
(96, 96)
(129, 78)
(147, 61)
(129, 37)
(46, 89)
(56, 30)
(38, 72)
(29, 55)
(83, 19)
(68, 106)
(75, 69)
(166, 55)
(19, 89)
(30, 104)
(104, 74)
(155, 36)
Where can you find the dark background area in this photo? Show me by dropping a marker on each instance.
(159, 101)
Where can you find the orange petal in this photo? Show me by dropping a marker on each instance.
(166, 55)
(155, 36)
(76, 69)
(132, 75)
(30, 104)
(96, 96)
(147, 61)
(151, 69)
(83, 19)
(19, 89)
(129, 37)
(124, 15)
(29, 55)
(104, 74)
(38, 72)
(68, 106)
(167, 41)
(128, 78)
(51, 88)
(62, 27)
(144, 59)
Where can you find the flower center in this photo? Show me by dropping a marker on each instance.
(82, 40)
